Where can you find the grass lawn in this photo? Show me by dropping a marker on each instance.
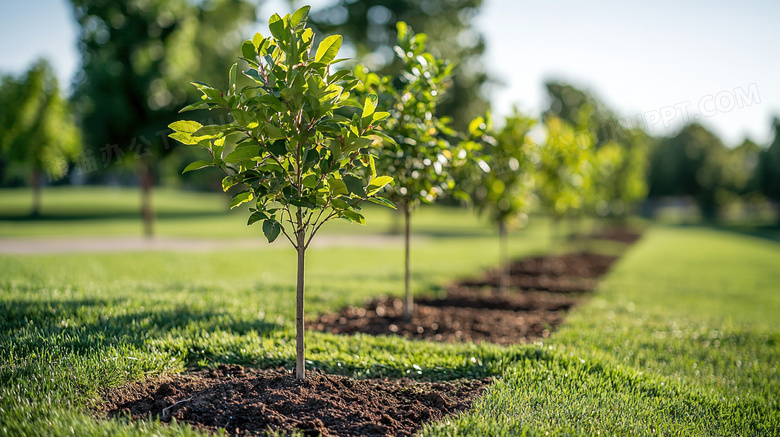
(682, 338)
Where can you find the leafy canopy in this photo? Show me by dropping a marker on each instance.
(297, 154)
(419, 154)
(503, 177)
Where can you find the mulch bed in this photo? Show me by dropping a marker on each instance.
(247, 401)
(462, 316)
(543, 289)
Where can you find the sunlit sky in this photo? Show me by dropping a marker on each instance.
(663, 62)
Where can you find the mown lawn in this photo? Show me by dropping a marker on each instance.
(681, 339)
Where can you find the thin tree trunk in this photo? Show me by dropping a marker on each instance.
(503, 258)
(147, 212)
(36, 186)
(300, 348)
(408, 302)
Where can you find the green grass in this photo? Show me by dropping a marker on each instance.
(682, 338)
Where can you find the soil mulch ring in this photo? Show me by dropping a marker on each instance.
(464, 315)
(473, 311)
(247, 401)
(569, 273)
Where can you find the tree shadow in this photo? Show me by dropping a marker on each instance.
(60, 323)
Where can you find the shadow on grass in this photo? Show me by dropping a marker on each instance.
(77, 326)
(763, 231)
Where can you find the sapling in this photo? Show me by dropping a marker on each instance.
(419, 155)
(502, 181)
(300, 161)
(565, 171)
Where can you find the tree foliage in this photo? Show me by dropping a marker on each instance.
(370, 27)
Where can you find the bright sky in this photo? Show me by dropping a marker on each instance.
(659, 62)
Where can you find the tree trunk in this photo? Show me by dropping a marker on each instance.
(503, 258)
(36, 187)
(408, 302)
(145, 178)
(300, 348)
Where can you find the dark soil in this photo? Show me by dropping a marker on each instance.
(542, 290)
(464, 315)
(569, 273)
(246, 401)
(621, 235)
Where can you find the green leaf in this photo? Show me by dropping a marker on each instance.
(337, 186)
(232, 80)
(382, 201)
(299, 16)
(197, 165)
(328, 49)
(274, 132)
(213, 131)
(242, 197)
(185, 126)
(244, 152)
(354, 185)
(276, 26)
(377, 184)
(354, 217)
(244, 118)
(272, 229)
(255, 217)
(228, 182)
(369, 106)
(379, 116)
(257, 40)
(353, 143)
(248, 50)
(192, 107)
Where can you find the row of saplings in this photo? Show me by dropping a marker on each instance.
(310, 145)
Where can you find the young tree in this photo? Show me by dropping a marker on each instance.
(502, 180)
(419, 155)
(36, 126)
(302, 164)
(565, 170)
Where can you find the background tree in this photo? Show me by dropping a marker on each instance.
(626, 183)
(135, 58)
(769, 173)
(370, 27)
(419, 156)
(503, 179)
(37, 130)
(691, 163)
(301, 162)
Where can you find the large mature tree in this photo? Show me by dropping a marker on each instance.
(370, 27)
(137, 58)
(37, 130)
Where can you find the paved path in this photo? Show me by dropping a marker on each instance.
(42, 245)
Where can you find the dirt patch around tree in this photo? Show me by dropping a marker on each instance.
(464, 315)
(247, 401)
(542, 290)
